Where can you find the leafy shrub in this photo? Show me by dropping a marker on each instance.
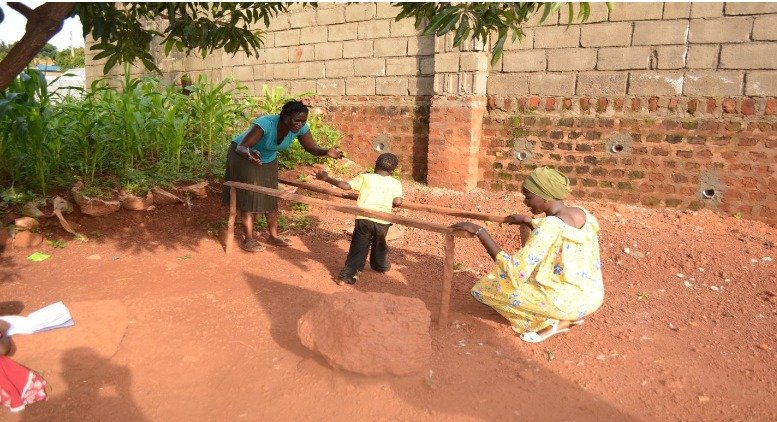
(146, 133)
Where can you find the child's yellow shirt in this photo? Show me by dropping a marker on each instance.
(376, 193)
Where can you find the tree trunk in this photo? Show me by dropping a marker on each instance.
(42, 24)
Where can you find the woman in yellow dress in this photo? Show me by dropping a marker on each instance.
(555, 280)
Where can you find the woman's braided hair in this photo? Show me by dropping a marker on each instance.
(293, 107)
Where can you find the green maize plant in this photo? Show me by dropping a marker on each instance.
(29, 154)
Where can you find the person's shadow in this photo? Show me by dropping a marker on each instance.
(96, 389)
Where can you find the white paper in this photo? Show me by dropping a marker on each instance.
(50, 317)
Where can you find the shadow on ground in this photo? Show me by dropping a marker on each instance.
(97, 389)
(493, 378)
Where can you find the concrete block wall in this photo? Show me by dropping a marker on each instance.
(682, 49)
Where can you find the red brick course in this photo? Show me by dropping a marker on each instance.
(673, 144)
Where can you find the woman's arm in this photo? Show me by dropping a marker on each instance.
(309, 144)
(244, 147)
(482, 234)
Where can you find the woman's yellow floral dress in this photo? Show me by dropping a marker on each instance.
(556, 276)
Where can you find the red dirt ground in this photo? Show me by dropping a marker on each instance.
(169, 328)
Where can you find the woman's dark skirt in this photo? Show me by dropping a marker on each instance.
(241, 170)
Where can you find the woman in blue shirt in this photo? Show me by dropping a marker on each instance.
(252, 159)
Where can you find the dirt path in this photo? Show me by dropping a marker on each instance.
(167, 328)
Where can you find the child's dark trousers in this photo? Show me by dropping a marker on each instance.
(368, 237)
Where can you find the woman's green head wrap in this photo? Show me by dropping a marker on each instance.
(547, 183)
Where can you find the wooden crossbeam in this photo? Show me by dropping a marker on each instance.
(405, 204)
(447, 276)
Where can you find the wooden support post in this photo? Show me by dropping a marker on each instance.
(231, 222)
(447, 281)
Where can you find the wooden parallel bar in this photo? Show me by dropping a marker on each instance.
(407, 205)
(231, 222)
(350, 209)
(447, 281)
(442, 320)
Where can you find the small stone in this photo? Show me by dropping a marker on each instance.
(626, 250)
(754, 261)
(26, 223)
(703, 399)
(680, 275)
(701, 269)
(688, 284)
(715, 288)
(764, 346)
(94, 257)
(27, 239)
(672, 327)
(767, 259)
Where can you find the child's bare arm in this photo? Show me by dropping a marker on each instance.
(322, 175)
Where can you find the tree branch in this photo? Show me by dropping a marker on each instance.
(42, 24)
(21, 8)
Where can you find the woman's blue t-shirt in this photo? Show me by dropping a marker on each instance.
(268, 145)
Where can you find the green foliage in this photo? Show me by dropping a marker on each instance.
(480, 20)
(324, 135)
(48, 51)
(300, 207)
(217, 110)
(121, 37)
(58, 243)
(12, 196)
(66, 58)
(5, 48)
(69, 59)
(143, 135)
(29, 154)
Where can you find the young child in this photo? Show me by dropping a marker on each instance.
(378, 191)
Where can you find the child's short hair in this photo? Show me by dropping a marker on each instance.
(386, 162)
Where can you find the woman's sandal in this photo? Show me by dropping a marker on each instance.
(279, 241)
(252, 245)
(533, 337)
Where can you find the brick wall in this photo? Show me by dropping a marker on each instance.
(679, 153)
(372, 125)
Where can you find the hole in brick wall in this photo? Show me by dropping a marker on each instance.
(381, 144)
(711, 187)
(522, 156)
(619, 143)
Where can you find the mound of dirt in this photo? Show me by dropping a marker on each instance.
(369, 333)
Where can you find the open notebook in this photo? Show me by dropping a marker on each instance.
(50, 317)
